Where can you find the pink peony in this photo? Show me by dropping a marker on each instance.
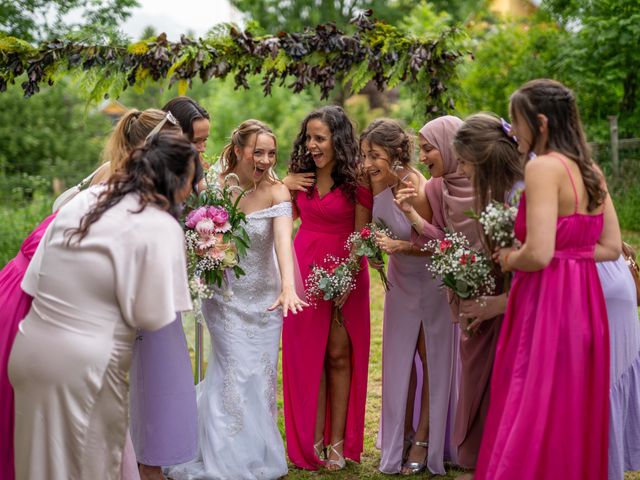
(218, 215)
(195, 216)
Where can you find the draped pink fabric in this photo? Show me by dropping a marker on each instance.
(549, 410)
(14, 305)
(326, 224)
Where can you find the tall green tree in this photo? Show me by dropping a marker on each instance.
(273, 16)
(37, 20)
(602, 57)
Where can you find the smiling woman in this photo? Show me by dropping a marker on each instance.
(325, 362)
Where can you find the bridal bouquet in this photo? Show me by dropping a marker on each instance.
(215, 238)
(498, 220)
(331, 280)
(466, 272)
(363, 244)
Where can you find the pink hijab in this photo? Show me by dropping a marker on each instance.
(457, 191)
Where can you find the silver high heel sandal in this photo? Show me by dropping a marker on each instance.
(319, 450)
(341, 462)
(413, 468)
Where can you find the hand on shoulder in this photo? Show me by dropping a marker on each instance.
(279, 193)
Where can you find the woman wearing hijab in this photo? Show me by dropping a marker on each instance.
(450, 194)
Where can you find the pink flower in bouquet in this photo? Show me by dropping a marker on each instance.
(205, 227)
(365, 233)
(217, 253)
(206, 242)
(218, 215)
(445, 245)
(224, 228)
(195, 216)
(464, 258)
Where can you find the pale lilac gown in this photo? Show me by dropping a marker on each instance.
(624, 395)
(415, 299)
(164, 415)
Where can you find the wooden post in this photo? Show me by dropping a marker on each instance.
(613, 129)
(199, 352)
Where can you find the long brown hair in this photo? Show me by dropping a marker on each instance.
(483, 142)
(130, 132)
(155, 171)
(566, 135)
(347, 169)
(240, 138)
(389, 135)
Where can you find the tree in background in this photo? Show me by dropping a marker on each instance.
(273, 16)
(601, 59)
(29, 19)
(52, 135)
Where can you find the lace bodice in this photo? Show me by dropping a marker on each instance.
(259, 287)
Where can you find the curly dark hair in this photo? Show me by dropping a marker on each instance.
(558, 103)
(347, 169)
(155, 171)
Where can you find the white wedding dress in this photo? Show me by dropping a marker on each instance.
(238, 434)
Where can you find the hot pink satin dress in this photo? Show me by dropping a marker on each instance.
(327, 222)
(549, 410)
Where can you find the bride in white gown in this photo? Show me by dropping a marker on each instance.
(237, 415)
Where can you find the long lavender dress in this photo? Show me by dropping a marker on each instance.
(164, 413)
(624, 394)
(415, 299)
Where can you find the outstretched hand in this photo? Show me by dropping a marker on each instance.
(289, 301)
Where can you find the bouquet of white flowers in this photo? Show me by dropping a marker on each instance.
(466, 272)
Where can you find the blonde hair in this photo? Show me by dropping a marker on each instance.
(130, 132)
(240, 138)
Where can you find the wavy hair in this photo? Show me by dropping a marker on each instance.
(130, 132)
(348, 167)
(482, 142)
(240, 137)
(566, 135)
(155, 171)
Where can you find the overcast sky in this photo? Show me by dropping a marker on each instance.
(176, 17)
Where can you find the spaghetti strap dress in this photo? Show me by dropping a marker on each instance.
(549, 411)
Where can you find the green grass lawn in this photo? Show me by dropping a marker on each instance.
(371, 456)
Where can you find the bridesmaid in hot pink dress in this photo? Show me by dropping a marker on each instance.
(549, 411)
(325, 364)
(14, 305)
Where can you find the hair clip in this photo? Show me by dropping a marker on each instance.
(506, 128)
